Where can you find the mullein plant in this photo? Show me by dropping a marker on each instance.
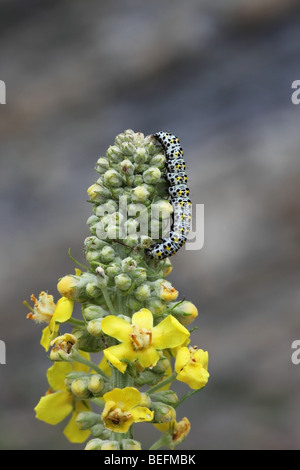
(131, 319)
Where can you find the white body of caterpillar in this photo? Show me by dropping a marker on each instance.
(179, 193)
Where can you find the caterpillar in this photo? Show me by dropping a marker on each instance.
(179, 195)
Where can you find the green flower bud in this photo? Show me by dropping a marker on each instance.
(128, 148)
(141, 155)
(150, 144)
(146, 241)
(89, 343)
(94, 444)
(113, 269)
(113, 178)
(73, 376)
(92, 290)
(102, 165)
(159, 161)
(113, 232)
(93, 243)
(130, 444)
(94, 327)
(133, 304)
(74, 287)
(96, 384)
(131, 226)
(131, 240)
(108, 208)
(102, 192)
(139, 275)
(87, 419)
(107, 254)
(167, 396)
(126, 136)
(114, 154)
(147, 377)
(162, 366)
(143, 292)
(98, 430)
(92, 256)
(156, 305)
(90, 312)
(152, 175)
(185, 312)
(110, 445)
(167, 267)
(128, 265)
(161, 210)
(123, 282)
(138, 180)
(79, 388)
(126, 167)
(140, 193)
(92, 220)
(163, 413)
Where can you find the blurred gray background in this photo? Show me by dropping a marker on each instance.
(218, 74)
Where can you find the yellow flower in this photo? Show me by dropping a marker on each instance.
(63, 311)
(188, 312)
(58, 402)
(167, 292)
(167, 269)
(63, 347)
(178, 430)
(140, 341)
(92, 191)
(122, 409)
(191, 366)
(43, 308)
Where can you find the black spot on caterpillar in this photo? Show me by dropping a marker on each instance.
(179, 194)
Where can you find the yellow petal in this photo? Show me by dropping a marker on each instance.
(195, 376)
(126, 398)
(54, 408)
(63, 311)
(202, 357)
(163, 427)
(116, 327)
(142, 414)
(148, 357)
(72, 431)
(143, 318)
(120, 351)
(182, 358)
(48, 335)
(169, 333)
(56, 375)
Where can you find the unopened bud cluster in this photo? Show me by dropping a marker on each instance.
(125, 302)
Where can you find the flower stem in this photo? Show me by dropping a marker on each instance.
(108, 301)
(75, 321)
(162, 383)
(78, 358)
(158, 444)
(187, 395)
